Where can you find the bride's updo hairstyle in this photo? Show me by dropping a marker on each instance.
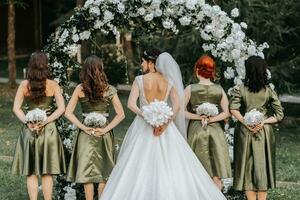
(205, 67)
(151, 55)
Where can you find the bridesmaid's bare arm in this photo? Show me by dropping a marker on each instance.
(69, 114)
(117, 119)
(19, 98)
(187, 97)
(60, 103)
(225, 110)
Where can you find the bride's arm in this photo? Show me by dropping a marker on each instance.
(134, 95)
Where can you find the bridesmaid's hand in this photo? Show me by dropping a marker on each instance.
(32, 127)
(204, 120)
(89, 131)
(259, 126)
(99, 132)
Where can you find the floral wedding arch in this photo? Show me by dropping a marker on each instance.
(224, 38)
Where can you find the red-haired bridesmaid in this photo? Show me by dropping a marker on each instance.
(205, 133)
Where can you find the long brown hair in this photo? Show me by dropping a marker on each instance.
(256, 73)
(93, 78)
(37, 75)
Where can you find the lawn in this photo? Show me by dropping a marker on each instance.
(14, 188)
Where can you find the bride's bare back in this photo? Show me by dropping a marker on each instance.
(155, 86)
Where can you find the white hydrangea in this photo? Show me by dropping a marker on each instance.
(108, 16)
(98, 24)
(94, 11)
(205, 36)
(70, 192)
(71, 50)
(185, 20)
(168, 24)
(229, 73)
(269, 75)
(235, 12)
(85, 35)
(191, 4)
(36, 115)
(157, 113)
(237, 81)
(235, 53)
(244, 25)
(253, 117)
(207, 109)
(158, 13)
(94, 119)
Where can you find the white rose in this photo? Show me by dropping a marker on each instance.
(235, 12)
(244, 25)
(269, 75)
(229, 40)
(121, 8)
(168, 24)
(251, 50)
(98, 24)
(148, 17)
(158, 12)
(201, 2)
(94, 11)
(85, 35)
(219, 33)
(141, 11)
(75, 38)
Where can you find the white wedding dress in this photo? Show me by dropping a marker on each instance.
(157, 167)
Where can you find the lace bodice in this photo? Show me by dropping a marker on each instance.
(142, 97)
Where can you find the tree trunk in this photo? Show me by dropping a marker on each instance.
(37, 24)
(11, 52)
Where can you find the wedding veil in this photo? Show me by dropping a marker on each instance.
(166, 65)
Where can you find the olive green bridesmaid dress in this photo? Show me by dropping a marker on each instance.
(208, 143)
(254, 156)
(92, 157)
(42, 153)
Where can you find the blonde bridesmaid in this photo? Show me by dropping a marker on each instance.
(92, 158)
(254, 147)
(39, 150)
(205, 134)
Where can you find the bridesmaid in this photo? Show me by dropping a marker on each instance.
(92, 158)
(254, 170)
(208, 142)
(39, 154)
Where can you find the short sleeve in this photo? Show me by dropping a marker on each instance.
(236, 98)
(275, 105)
(112, 91)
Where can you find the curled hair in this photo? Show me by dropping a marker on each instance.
(37, 75)
(205, 66)
(93, 78)
(256, 73)
(151, 55)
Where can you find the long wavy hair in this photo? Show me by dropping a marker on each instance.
(256, 74)
(93, 78)
(37, 74)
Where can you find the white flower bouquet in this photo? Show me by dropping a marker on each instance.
(253, 117)
(36, 116)
(94, 119)
(157, 113)
(207, 109)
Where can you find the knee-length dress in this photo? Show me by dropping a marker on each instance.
(42, 153)
(208, 143)
(92, 158)
(254, 156)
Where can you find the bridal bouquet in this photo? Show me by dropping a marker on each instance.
(207, 109)
(253, 117)
(95, 119)
(36, 116)
(157, 113)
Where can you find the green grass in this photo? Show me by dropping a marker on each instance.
(14, 187)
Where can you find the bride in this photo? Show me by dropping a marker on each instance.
(157, 163)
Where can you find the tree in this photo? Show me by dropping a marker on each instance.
(11, 52)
